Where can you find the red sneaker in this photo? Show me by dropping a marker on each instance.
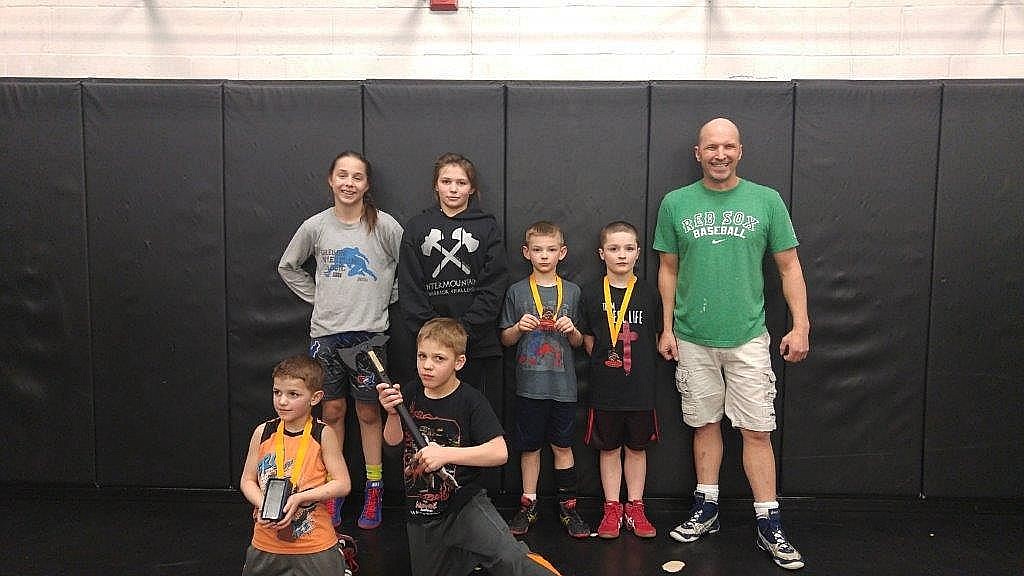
(612, 520)
(637, 521)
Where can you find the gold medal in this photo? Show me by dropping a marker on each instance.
(615, 320)
(299, 458)
(546, 314)
(614, 360)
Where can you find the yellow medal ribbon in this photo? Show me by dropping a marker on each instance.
(536, 296)
(299, 458)
(615, 325)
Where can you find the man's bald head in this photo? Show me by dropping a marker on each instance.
(719, 124)
(719, 151)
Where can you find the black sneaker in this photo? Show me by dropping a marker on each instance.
(570, 518)
(526, 516)
(768, 536)
(703, 520)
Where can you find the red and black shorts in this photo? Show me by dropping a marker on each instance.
(612, 429)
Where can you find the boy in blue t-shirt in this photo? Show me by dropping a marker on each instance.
(540, 316)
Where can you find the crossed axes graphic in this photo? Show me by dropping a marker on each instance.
(432, 241)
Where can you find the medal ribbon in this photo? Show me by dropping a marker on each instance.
(536, 296)
(614, 326)
(300, 457)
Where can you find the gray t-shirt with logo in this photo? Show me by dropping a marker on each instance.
(355, 272)
(544, 358)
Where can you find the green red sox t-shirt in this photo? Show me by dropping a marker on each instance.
(721, 238)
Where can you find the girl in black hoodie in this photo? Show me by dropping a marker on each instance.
(453, 264)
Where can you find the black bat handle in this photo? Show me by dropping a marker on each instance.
(403, 412)
(410, 425)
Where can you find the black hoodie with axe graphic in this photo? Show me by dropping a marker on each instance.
(456, 267)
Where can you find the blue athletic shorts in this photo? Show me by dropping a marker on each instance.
(340, 378)
(540, 422)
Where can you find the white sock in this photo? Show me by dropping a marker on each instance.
(761, 509)
(710, 492)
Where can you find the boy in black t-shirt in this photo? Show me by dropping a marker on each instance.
(622, 322)
(452, 527)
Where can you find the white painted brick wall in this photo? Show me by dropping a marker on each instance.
(513, 39)
(900, 67)
(984, 66)
(953, 30)
(407, 32)
(1013, 34)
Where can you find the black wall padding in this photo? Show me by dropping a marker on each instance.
(973, 427)
(577, 156)
(156, 257)
(44, 286)
(863, 197)
(279, 141)
(763, 111)
(408, 125)
(143, 222)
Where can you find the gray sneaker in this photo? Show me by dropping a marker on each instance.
(768, 536)
(703, 520)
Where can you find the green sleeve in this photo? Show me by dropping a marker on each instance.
(664, 231)
(781, 235)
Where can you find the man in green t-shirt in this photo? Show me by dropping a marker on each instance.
(712, 237)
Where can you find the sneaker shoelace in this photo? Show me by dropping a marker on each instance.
(612, 513)
(638, 516)
(778, 536)
(781, 542)
(695, 517)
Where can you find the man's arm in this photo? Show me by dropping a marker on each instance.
(668, 271)
(796, 343)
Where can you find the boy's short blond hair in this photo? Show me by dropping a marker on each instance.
(543, 228)
(444, 331)
(617, 226)
(303, 368)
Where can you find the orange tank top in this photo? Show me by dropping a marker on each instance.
(311, 530)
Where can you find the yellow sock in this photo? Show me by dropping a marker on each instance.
(374, 472)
